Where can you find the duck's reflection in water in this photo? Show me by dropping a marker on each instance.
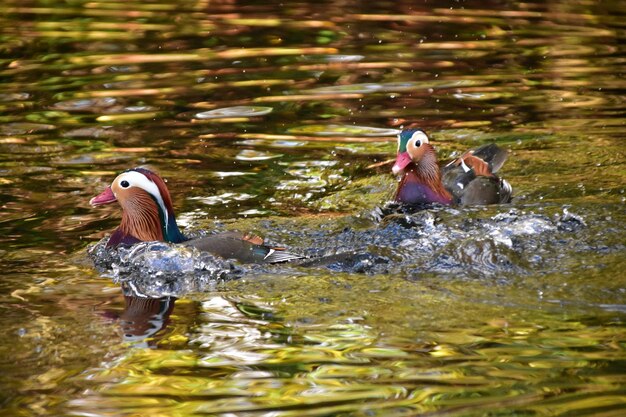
(143, 318)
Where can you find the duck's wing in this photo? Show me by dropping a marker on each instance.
(493, 155)
(471, 178)
(242, 247)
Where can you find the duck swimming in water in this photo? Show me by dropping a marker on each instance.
(468, 180)
(148, 215)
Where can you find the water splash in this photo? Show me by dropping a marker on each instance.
(442, 240)
(156, 269)
(449, 241)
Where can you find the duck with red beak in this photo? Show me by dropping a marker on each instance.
(148, 215)
(468, 180)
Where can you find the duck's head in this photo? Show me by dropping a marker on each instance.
(147, 211)
(413, 148)
(416, 164)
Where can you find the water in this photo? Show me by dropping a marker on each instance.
(278, 119)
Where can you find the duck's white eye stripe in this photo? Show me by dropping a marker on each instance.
(419, 135)
(137, 179)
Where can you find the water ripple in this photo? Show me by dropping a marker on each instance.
(237, 111)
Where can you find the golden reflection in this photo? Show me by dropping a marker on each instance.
(541, 336)
(59, 11)
(309, 138)
(306, 97)
(128, 117)
(114, 5)
(132, 150)
(222, 120)
(197, 55)
(413, 18)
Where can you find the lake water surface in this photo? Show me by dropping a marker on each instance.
(277, 118)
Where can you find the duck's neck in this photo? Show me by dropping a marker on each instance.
(144, 221)
(421, 183)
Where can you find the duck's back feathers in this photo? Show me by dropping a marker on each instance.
(486, 190)
(243, 247)
(471, 178)
(485, 160)
(493, 155)
(279, 255)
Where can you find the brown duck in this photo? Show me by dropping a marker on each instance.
(148, 215)
(468, 180)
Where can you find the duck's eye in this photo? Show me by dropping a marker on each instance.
(419, 138)
(125, 184)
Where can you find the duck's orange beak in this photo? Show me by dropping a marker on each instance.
(105, 197)
(402, 160)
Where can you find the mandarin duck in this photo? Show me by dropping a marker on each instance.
(467, 180)
(148, 215)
